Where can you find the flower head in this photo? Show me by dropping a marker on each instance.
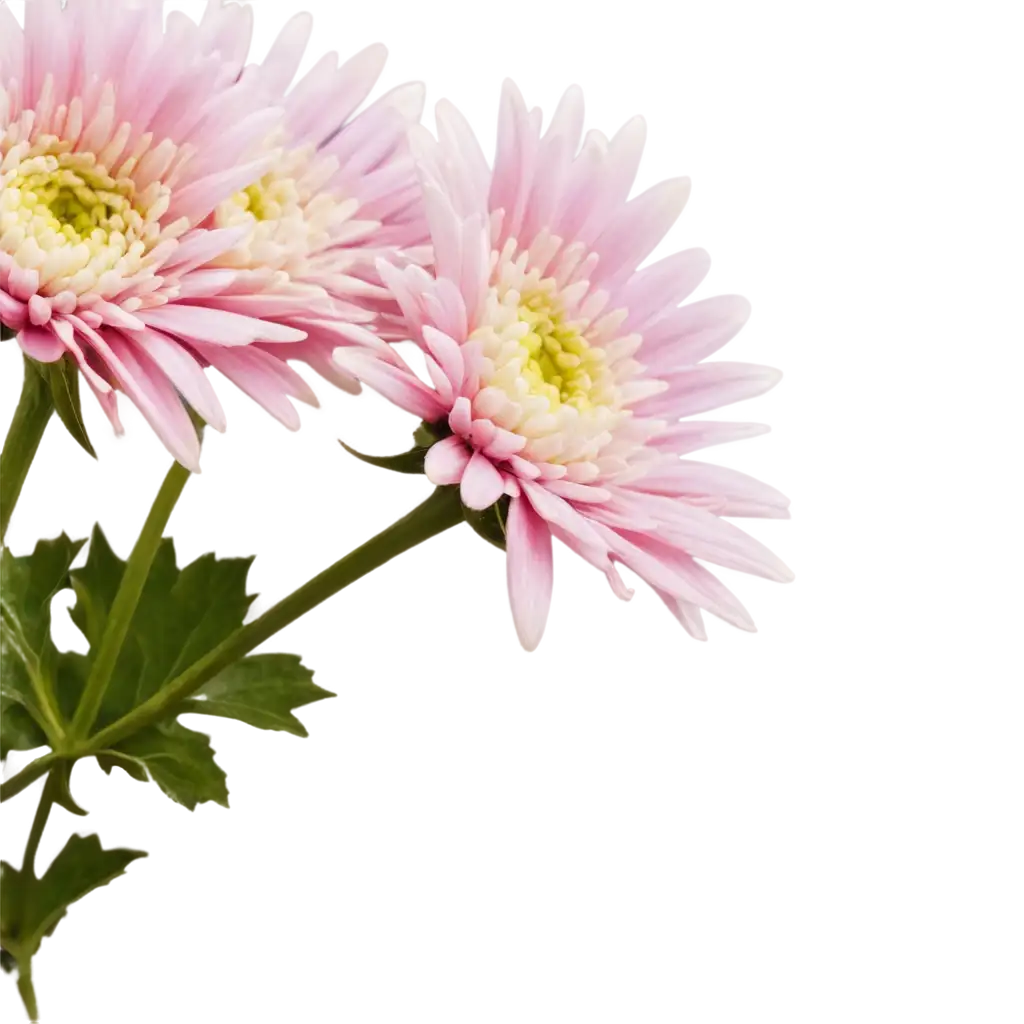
(342, 189)
(567, 376)
(164, 208)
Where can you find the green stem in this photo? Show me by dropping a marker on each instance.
(123, 609)
(28, 873)
(24, 772)
(441, 511)
(35, 407)
(27, 992)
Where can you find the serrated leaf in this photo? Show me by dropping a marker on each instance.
(211, 599)
(108, 760)
(180, 761)
(184, 610)
(47, 569)
(33, 591)
(95, 585)
(31, 908)
(261, 691)
(154, 641)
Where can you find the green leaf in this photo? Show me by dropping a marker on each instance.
(28, 584)
(19, 731)
(95, 582)
(5, 332)
(11, 899)
(181, 616)
(179, 761)
(47, 570)
(211, 599)
(154, 641)
(31, 908)
(60, 775)
(71, 672)
(262, 691)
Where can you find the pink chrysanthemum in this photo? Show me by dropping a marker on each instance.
(164, 208)
(343, 190)
(566, 375)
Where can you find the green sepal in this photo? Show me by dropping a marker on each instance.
(406, 462)
(428, 434)
(69, 398)
(491, 522)
(5, 332)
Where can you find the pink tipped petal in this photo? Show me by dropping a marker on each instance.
(251, 372)
(186, 375)
(198, 199)
(199, 247)
(22, 284)
(156, 400)
(461, 417)
(482, 484)
(216, 327)
(685, 336)
(530, 569)
(447, 353)
(561, 513)
(41, 344)
(446, 462)
(396, 385)
(710, 386)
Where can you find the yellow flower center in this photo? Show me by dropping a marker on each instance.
(64, 215)
(291, 215)
(560, 364)
(268, 198)
(555, 363)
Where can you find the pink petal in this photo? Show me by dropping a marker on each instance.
(200, 247)
(217, 327)
(22, 283)
(561, 513)
(13, 313)
(530, 569)
(41, 344)
(578, 492)
(482, 484)
(186, 375)
(156, 399)
(446, 461)
(461, 417)
(199, 198)
(504, 444)
(397, 385)
(251, 370)
(447, 353)
(39, 310)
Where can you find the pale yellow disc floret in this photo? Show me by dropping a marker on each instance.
(65, 216)
(292, 216)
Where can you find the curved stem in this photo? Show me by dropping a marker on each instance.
(33, 770)
(28, 863)
(35, 407)
(123, 609)
(441, 511)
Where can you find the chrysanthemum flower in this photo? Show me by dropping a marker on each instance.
(164, 208)
(565, 376)
(343, 189)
